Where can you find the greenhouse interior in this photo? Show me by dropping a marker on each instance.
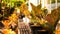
(29, 16)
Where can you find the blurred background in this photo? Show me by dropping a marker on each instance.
(30, 16)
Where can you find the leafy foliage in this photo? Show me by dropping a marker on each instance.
(9, 7)
(13, 3)
(24, 9)
(36, 10)
(51, 18)
(37, 13)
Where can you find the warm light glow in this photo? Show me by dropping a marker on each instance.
(18, 11)
(44, 3)
(11, 20)
(8, 31)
